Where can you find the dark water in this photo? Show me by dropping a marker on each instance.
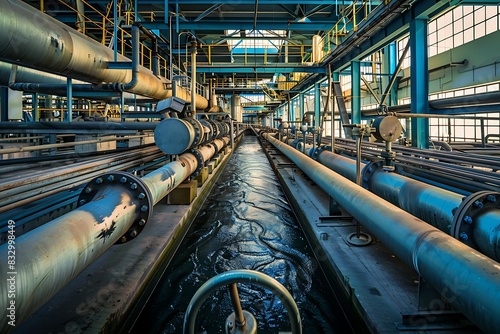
(246, 223)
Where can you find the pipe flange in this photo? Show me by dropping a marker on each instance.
(315, 154)
(216, 148)
(464, 217)
(368, 171)
(140, 194)
(201, 163)
(198, 130)
(210, 133)
(215, 128)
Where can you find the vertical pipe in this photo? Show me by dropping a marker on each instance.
(355, 92)
(36, 113)
(69, 92)
(419, 82)
(115, 31)
(317, 104)
(193, 78)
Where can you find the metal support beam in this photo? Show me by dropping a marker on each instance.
(260, 69)
(389, 59)
(419, 82)
(355, 92)
(390, 87)
(317, 104)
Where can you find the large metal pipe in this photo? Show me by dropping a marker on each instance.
(466, 278)
(33, 39)
(113, 208)
(432, 204)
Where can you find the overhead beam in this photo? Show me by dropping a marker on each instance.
(386, 24)
(208, 11)
(245, 25)
(250, 2)
(259, 69)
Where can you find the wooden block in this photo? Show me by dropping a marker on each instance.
(202, 177)
(211, 166)
(184, 193)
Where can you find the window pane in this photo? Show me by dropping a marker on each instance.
(458, 39)
(468, 35)
(480, 30)
(468, 21)
(491, 25)
(480, 15)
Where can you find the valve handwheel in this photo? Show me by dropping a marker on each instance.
(241, 321)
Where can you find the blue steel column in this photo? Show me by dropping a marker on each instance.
(317, 103)
(419, 82)
(292, 110)
(389, 63)
(355, 92)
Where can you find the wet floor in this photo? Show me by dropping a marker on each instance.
(246, 223)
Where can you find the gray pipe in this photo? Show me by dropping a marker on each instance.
(432, 204)
(52, 255)
(33, 39)
(466, 278)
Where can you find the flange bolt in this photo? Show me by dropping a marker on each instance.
(141, 196)
(478, 204)
(491, 198)
(88, 190)
(123, 179)
(464, 236)
(142, 222)
(111, 178)
(133, 186)
(144, 208)
(468, 220)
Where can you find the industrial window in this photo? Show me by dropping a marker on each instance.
(474, 127)
(461, 25)
(255, 39)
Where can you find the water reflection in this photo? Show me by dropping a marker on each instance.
(246, 223)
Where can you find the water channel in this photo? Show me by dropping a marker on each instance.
(246, 223)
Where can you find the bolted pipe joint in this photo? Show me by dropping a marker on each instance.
(476, 223)
(127, 183)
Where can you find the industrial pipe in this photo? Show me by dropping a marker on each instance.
(432, 204)
(466, 278)
(187, 133)
(112, 208)
(36, 40)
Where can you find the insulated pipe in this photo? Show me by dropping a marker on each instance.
(466, 278)
(36, 40)
(113, 208)
(49, 257)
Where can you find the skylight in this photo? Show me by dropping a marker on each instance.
(255, 39)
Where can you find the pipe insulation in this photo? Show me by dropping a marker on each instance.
(34, 39)
(112, 208)
(466, 278)
(436, 206)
